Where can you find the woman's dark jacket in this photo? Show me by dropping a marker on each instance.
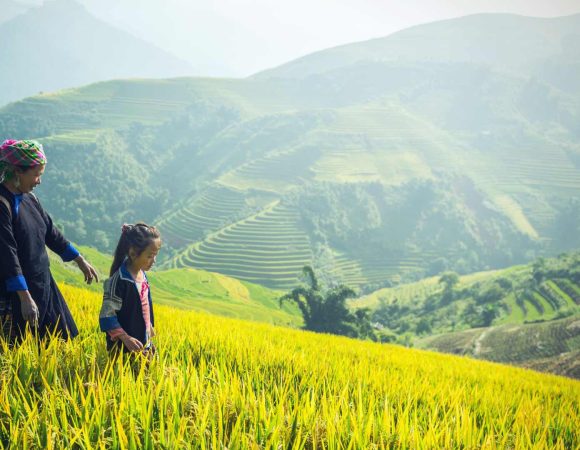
(25, 232)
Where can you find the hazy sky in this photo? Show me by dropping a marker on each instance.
(241, 37)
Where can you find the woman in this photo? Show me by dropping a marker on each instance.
(26, 230)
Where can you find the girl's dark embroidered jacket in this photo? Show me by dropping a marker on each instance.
(122, 308)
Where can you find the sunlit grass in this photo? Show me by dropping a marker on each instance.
(221, 383)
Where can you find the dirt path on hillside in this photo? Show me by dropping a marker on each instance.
(479, 340)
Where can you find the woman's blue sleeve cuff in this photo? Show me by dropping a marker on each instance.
(109, 323)
(17, 283)
(70, 253)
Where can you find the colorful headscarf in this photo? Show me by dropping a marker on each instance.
(20, 153)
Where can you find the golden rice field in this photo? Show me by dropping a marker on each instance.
(222, 383)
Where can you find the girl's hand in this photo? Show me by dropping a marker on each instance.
(88, 271)
(132, 344)
(152, 333)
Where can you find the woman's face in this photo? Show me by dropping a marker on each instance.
(147, 257)
(30, 178)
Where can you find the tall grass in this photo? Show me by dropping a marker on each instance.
(222, 383)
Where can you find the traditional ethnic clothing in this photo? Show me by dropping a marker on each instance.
(127, 309)
(25, 232)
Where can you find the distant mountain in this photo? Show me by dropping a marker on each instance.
(60, 45)
(503, 41)
(374, 172)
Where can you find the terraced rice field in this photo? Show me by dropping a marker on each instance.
(391, 123)
(268, 248)
(543, 303)
(125, 110)
(277, 171)
(518, 343)
(383, 143)
(548, 342)
(355, 273)
(346, 271)
(208, 212)
(353, 164)
(531, 174)
(74, 137)
(513, 210)
(391, 268)
(114, 104)
(256, 97)
(539, 213)
(547, 169)
(404, 293)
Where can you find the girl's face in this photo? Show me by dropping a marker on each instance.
(30, 178)
(146, 259)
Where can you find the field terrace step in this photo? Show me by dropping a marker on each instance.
(287, 166)
(570, 288)
(270, 247)
(190, 222)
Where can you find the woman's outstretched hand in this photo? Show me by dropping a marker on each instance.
(88, 271)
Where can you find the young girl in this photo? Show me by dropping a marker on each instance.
(127, 312)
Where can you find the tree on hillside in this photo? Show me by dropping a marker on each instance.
(539, 270)
(449, 281)
(363, 322)
(325, 311)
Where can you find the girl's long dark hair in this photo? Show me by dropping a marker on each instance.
(139, 236)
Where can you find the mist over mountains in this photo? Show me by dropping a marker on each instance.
(452, 145)
(507, 42)
(60, 45)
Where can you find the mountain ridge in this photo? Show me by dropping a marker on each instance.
(73, 48)
(438, 48)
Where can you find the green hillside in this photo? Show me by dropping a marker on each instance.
(193, 289)
(544, 290)
(524, 315)
(549, 347)
(374, 170)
